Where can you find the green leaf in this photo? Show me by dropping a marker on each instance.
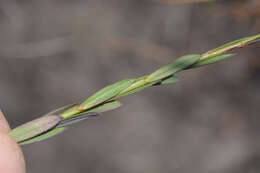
(43, 136)
(211, 60)
(34, 127)
(230, 46)
(170, 69)
(105, 94)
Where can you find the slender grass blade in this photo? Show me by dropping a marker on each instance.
(230, 46)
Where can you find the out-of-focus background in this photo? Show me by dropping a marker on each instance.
(57, 52)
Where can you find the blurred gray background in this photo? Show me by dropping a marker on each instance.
(57, 52)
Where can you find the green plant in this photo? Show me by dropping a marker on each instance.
(106, 99)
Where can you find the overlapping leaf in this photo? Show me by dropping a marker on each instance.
(105, 99)
(105, 94)
(34, 128)
(170, 69)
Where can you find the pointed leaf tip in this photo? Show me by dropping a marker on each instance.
(230, 46)
(211, 60)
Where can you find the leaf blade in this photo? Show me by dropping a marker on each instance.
(230, 46)
(211, 60)
(174, 67)
(105, 94)
(34, 127)
(46, 135)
